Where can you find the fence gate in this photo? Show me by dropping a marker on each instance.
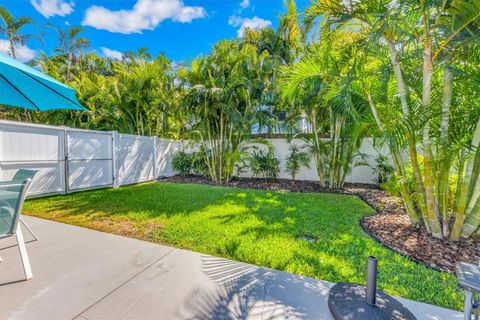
(89, 159)
(27, 146)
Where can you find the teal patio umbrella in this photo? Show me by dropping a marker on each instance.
(25, 87)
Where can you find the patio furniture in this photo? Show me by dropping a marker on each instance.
(22, 175)
(12, 196)
(469, 280)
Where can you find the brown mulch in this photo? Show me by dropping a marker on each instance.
(390, 225)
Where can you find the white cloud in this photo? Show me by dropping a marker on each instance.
(145, 15)
(110, 53)
(187, 14)
(50, 8)
(254, 23)
(22, 52)
(245, 4)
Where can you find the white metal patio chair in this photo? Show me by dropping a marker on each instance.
(12, 196)
(20, 176)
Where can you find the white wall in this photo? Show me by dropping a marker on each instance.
(359, 174)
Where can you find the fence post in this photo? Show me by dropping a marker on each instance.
(154, 158)
(64, 144)
(116, 183)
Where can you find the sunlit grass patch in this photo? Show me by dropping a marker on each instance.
(254, 226)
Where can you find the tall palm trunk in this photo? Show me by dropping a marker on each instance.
(443, 192)
(432, 209)
(399, 168)
(12, 49)
(402, 88)
(318, 157)
(462, 199)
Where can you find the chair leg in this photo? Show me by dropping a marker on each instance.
(29, 230)
(23, 254)
(467, 309)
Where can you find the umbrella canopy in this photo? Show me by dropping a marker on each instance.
(25, 87)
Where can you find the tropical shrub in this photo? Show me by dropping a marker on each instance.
(382, 169)
(182, 162)
(264, 164)
(296, 159)
(199, 166)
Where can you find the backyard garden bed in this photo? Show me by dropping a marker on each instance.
(390, 225)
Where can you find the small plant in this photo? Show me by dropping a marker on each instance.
(383, 169)
(182, 162)
(264, 164)
(297, 158)
(199, 166)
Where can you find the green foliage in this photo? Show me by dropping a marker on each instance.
(264, 164)
(416, 63)
(182, 162)
(296, 159)
(392, 185)
(199, 166)
(323, 87)
(136, 95)
(383, 169)
(223, 92)
(190, 162)
(257, 227)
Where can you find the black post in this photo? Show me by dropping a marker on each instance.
(371, 280)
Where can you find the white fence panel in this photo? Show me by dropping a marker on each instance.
(165, 150)
(33, 147)
(134, 159)
(90, 158)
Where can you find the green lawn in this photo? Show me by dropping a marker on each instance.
(258, 227)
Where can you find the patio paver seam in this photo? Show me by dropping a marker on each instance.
(123, 284)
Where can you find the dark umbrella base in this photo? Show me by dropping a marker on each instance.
(346, 301)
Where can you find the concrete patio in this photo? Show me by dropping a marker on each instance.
(85, 274)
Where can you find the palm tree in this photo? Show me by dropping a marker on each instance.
(323, 86)
(140, 55)
(222, 97)
(11, 29)
(71, 47)
(436, 37)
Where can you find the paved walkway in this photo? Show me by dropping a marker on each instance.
(84, 274)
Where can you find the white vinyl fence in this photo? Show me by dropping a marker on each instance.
(72, 159)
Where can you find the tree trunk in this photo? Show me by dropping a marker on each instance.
(443, 192)
(399, 169)
(432, 210)
(402, 89)
(462, 200)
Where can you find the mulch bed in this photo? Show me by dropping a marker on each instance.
(390, 225)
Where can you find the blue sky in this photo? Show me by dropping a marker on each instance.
(180, 29)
